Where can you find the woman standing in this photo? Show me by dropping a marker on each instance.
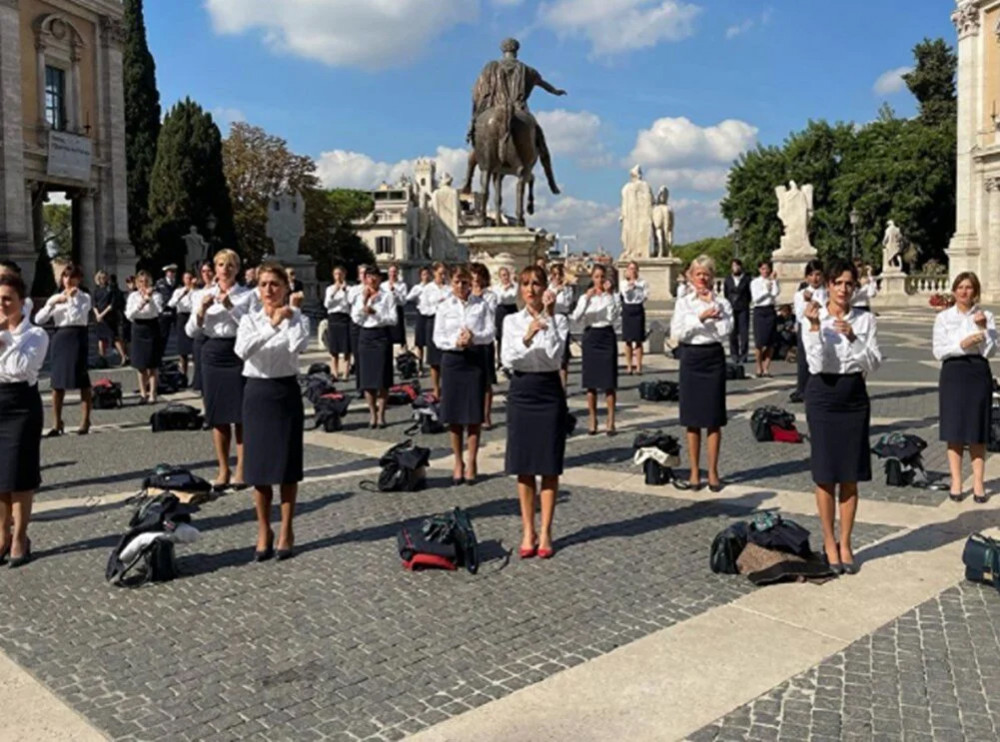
(107, 319)
(421, 335)
(965, 336)
(463, 322)
(397, 332)
(867, 291)
(431, 299)
(269, 341)
(338, 322)
(481, 288)
(596, 312)
(564, 305)
(634, 294)
(353, 294)
(217, 313)
(813, 291)
(764, 292)
(506, 305)
(206, 278)
(22, 353)
(180, 301)
(143, 310)
(536, 407)
(842, 347)
(701, 323)
(374, 311)
(69, 310)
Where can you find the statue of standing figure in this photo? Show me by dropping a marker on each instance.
(197, 250)
(286, 224)
(663, 225)
(795, 208)
(892, 248)
(444, 203)
(636, 216)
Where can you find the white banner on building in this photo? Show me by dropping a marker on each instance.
(69, 156)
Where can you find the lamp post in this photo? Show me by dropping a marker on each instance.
(855, 217)
(736, 238)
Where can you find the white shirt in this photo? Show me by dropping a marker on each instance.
(219, 321)
(271, 352)
(431, 298)
(27, 306)
(599, 310)
(952, 326)
(688, 327)
(415, 291)
(454, 315)
(399, 288)
(336, 299)
(564, 298)
(22, 352)
(72, 313)
(829, 352)
(384, 304)
(507, 295)
(635, 292)
(138, 307)
(799, 302)
(864, 295)
(682, 290)
(181, 300)
(491, 299)
(546, 350)
(764, 292)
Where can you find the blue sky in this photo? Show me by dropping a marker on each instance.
(680, 86)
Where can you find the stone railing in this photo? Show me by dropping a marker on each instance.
(925, 285)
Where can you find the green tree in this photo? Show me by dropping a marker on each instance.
(330, 239)
(58, 220)
(720, 249)
(188, 184)
(750, 199)
(932, 81)
(142, 121)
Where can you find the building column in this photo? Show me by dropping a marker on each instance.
(989, 278)
(964, 248)
(90, 260)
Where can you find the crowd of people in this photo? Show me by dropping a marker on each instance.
(244, 341)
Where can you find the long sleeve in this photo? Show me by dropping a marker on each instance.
(546, 349)
(45, 313)
(298, 333)
(22, 354)
(252, 336)
(684, 323)
(176, 297)
(828, 351)
(989, 346)
(192, 329)
(946, 341)
(414, 293)
(443, 339)
(813, 344)
(724, 324)
(865, 350)
(581, 308)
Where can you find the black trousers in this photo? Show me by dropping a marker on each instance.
(739, 338)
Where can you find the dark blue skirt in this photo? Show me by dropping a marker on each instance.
(146, 345)
(503, 311)
(965, 400)
(338, 333)
(703, 386)
(20, 437)
(374, 360)
(633, 323)
(536, 425)
(196, 345)
(185, 345)
(398, 331)
(68, 358)
(222, 382)
(272, 431)
(839, 415)
(765, 327)
(463, 387)
(600, 359)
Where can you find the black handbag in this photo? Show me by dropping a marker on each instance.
(981, 558)
(657, 473)
(176, 416)
(727, 546)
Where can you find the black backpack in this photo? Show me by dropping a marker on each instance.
(735, 372)
(656, 439)
(107, 394)
(404, 469)
(317, 384)
(176, 416)
(727, 546)
(764, 417)
(330, 410)
(447, 541)
(660, 391)
(407, 366)
(318, 368)
(170, 379)
(175, 479)
(771, 531)
(155, 562)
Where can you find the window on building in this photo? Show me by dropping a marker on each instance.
(383, 245)
(55, 97)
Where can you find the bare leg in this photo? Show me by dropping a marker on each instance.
(347, 365)
(638, 357)
(472, 465)
(286, 536)
(372, 408)
(825, 507)
(238, 479)
(262, 498)
(222, 436)
(592, 409)
(758, 356)
(766, 355)
(6, 522)
(184, 365)
(612, 402)
(335, 366)
(102, 348)
(58, 397)
(436, 381)
(526, 496)
(564, 375)
(714, 445)
(383, 398)
(694, 454)
(456, 450)
(955, 467)
(978, 453)
(420, 358)
(21, 510)
(154, 383)
(550, 488)
(488, 412)
(848, 509)
(87, 403)
(628, 357)
(142, 384)
(120, 347)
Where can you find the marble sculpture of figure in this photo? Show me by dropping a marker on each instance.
(795, 208)
(636, 216)
(663, 224)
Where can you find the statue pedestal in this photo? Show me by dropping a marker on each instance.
(660, 274)
(892, 285)
(305, 271)
(791, 270)
(513, 247)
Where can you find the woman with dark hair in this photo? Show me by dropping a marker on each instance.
(69, 311)
(564, 305)
(764, 291)
(596, 312)
(431, 298)
(180, 301)
(143, 310)
(536, 407)
(421, 334)
(701, 324)
(481, 288)
(269, 341)
(353, 295)
(22, 353)
(338, 321)
(965, 336)
(374, 311)
(813, 291)
(634, 292)
(107, 318)
(506, 305)
(395, 284)
(841, 344)
(462, 323)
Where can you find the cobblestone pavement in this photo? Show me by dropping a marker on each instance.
(933, 674)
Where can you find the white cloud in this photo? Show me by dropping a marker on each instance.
(365, 33)
(592, 223)
(343, 169)
(616, 26)
(575, 134)
(891, 81)
(681, 154)
(695, 220)
(225, 117)
(740, 28)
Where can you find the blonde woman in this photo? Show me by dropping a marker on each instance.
(143, 309)
(596, 312)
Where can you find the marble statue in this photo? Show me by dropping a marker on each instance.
(892, 248)
(663, 225)
(795, 208)
(447, 209)
(286, 223)
(196, 249)
(425, 227)
(636, 216)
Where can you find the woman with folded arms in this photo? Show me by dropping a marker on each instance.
(432, 297)
(374, 311)
(633, 292)
(841, 344)
(764, 291)
(397, 286)
(463, 322)
(106, 317)
(217, 314)
(69, 311)
(536, 407)
(481, 288)
(22, 353)
(269, 341)
(965, 336)
(180, 301)
(701, 323)
(206, 278)
(143, 309)
(813, 291)
(338, 321)
(421, 336)
(353, 294)
(596, 312)
(564, 305)
(506, 305)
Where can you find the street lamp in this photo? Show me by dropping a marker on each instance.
(736, 238)
(855, 218)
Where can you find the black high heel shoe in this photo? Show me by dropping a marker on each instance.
(263, 556)
(20, 561)
(283, 554)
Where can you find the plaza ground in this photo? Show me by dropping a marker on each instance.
(625, 634)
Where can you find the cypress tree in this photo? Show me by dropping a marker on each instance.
(142, 121)
(187, 184)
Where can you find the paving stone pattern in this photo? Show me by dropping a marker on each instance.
(931, 675)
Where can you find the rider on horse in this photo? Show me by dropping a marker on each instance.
(509, 82)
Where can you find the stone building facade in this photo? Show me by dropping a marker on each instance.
(976, 243)
(62, 129)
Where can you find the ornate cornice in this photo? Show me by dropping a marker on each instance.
(993, 184)
(966, 18)
(112, 31)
